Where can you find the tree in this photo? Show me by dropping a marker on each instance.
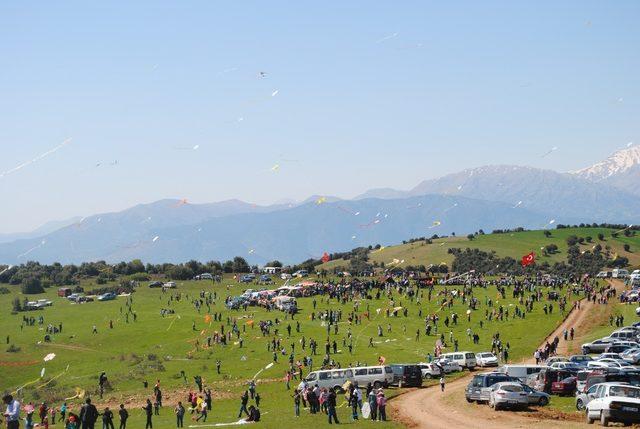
(32, 285)
(551, 249)
(572, 240)
(601, 236)
(627, 248)
(16, 304)
(470, 237)
(240, 265)
(275, 263)
(547, 233)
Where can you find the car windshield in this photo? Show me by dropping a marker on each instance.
(486, 355)
(626, 391)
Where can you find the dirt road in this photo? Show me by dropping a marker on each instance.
(430, 408)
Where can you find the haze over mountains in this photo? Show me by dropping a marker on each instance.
(490, 197)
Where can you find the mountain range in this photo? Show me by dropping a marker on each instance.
(490, 197)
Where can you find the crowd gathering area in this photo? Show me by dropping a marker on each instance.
(199, 351)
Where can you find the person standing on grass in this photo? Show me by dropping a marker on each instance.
(244, 399)
(12, 413)
(107, 419)
(207, 399)
(124, 415)
(442, 382)
(382, 406)
(331, 406)
(88, 415)
(198, 381)
(102, 381)
(148, 409)
(373, 404)
(296, 403)
(179, 410)
(63, 411)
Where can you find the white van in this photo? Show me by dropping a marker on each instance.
(520, 371)
(619, 273)
(464, 359)
(379, 376)
(624, 335)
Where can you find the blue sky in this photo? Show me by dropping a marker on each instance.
(357, 106)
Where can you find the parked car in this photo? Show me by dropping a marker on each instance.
(301, 273)
(536, 397)
(581, 360)
(464, 359)
(447, 365)
(64, 292)
(520, 372)
(508, 395)
(247, 278)
(486, 359)
(583, 398)
(631, 356)
(478, 388)
(430, 370)
(621, 405)
(611, 375)
(107, 296)
(569, 366)
(155, 284)
(564, 387)
(379, 376)
(620, 347)
(597, 346)
(405, 375)
(554, 359)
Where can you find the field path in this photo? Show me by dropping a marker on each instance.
(430, 408)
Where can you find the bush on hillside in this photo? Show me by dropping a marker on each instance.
(31, 286)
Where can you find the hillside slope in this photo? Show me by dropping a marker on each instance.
(514, 244)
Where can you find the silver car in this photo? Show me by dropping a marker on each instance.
(536, 397)
(508, 395)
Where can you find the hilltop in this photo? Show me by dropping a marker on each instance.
(505, 244)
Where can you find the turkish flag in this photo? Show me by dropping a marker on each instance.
(325, 257)
(528, 259)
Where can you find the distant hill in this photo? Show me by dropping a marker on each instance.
(290, 235)
(490, 197)
(40, 231)
(513, 244)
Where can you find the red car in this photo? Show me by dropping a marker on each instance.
(565, 387)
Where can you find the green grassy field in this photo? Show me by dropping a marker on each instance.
(154, 347)
(509, 244)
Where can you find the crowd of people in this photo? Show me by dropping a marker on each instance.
(402, 294)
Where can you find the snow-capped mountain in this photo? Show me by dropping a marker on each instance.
(619, 163)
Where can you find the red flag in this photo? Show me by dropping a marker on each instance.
(528, 259)
(325, 257)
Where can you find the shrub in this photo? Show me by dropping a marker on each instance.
(32, 285)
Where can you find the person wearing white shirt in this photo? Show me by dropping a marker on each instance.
(12, 414)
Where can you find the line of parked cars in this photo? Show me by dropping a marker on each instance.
(608, 388)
